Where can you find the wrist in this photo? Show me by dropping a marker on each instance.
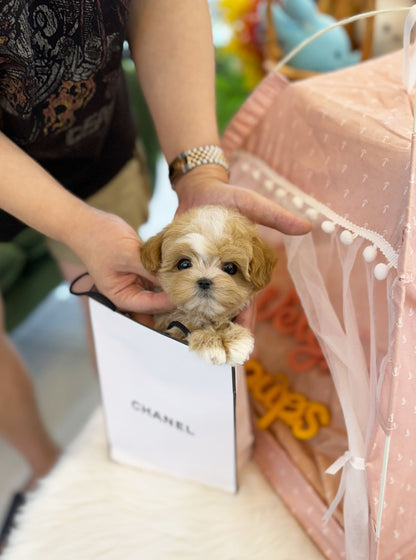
(85, 222)
(203, 174)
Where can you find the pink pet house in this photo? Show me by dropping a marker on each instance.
(338, 150)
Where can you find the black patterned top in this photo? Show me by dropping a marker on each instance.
(63, 97)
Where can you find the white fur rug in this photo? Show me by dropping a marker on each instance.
(91, 508)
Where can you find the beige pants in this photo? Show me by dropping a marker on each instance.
(126, 195)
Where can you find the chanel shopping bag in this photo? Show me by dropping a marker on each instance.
(166, 409)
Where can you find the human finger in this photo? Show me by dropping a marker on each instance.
(265, 212)
(136, 301)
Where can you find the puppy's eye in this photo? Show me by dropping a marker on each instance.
(230, 268)
(183, 264)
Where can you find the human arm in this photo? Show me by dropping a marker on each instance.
(171, 44)
(108, 247)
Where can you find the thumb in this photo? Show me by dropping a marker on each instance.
(141, 301)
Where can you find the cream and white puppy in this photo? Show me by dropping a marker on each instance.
(210, 261)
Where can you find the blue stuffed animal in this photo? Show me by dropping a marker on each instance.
(295, 21)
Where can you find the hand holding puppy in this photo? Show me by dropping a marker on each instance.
(210, 261)
(112, 253)
(209, 184)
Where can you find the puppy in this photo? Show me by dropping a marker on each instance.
(210, 261)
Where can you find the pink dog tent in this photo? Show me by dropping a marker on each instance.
(338, 149)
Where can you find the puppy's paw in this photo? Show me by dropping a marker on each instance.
(239, 343)
(208, 345)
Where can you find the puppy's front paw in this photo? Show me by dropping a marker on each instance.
(238, 343)
(208, 345)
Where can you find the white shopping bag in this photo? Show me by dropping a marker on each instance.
(165, 408)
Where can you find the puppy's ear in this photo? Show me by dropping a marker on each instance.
(262, 264)
(151, 253)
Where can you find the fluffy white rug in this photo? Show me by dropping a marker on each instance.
(91, 508)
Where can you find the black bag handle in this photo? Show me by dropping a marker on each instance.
(92, 293)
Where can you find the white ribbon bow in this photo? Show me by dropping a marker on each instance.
(348, 458)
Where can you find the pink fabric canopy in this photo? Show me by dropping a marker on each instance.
(337, 149)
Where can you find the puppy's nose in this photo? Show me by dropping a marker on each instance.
(204, 283)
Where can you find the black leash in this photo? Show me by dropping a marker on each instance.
(179, 326)
(92, 293)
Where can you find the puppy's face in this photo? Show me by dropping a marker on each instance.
(209, 261)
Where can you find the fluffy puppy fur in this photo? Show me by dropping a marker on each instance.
(210, 261)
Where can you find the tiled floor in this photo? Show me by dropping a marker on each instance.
(53, 343)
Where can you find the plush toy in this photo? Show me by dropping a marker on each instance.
(388, 27)
(295, 21)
